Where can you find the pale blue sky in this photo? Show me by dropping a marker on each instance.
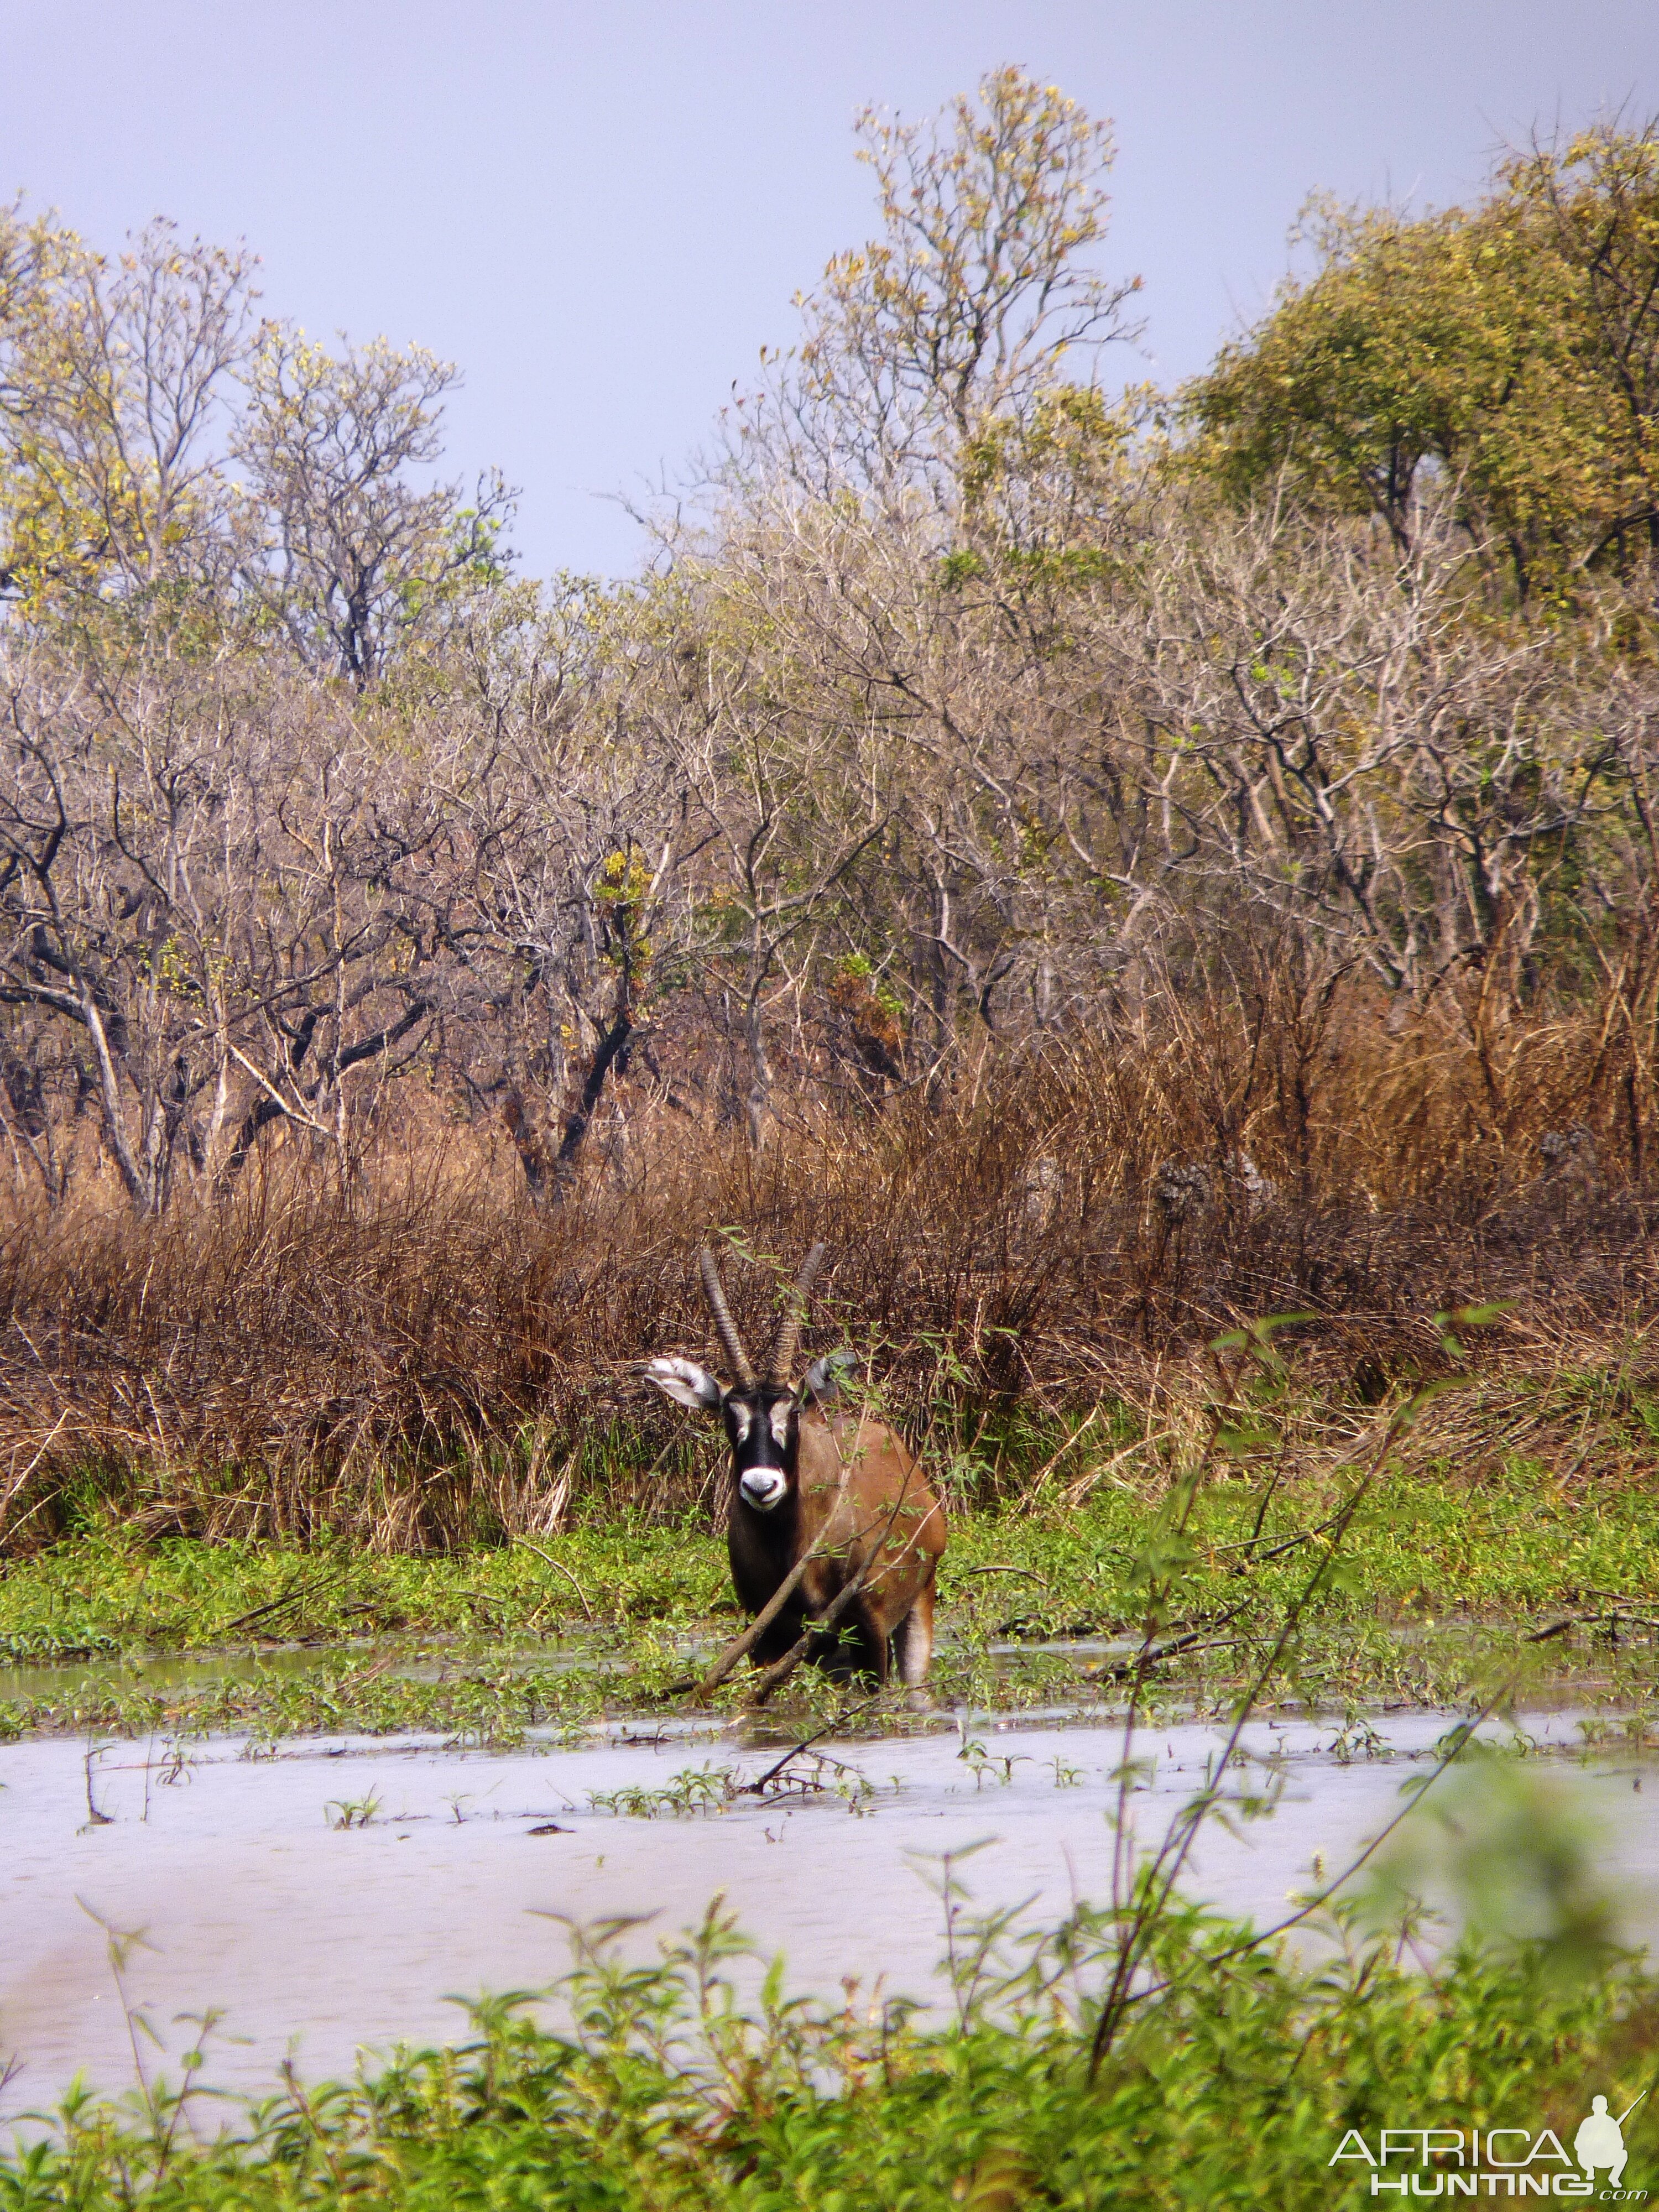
(602, 212)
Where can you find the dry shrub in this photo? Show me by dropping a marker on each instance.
(419, 1354)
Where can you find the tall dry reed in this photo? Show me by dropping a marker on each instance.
(423, 1354)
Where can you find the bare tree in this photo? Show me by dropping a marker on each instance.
(225, 888)
(978, 296)
(352, 551)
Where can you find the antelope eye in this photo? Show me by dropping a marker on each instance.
(740, 1420)
(781, 1413)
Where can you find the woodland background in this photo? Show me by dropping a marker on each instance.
(1111, 864)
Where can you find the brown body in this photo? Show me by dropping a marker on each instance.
(859, 1502)
(833, 1493)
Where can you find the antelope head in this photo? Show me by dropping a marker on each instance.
(762, 1413)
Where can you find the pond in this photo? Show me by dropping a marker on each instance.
(328, 1896)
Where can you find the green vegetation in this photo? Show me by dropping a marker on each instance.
(1235, 2087)
(1146, 2054)
(1505, 353)
(1456, 1570)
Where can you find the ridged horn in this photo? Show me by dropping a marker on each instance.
(715, 1292)
(786, 1342)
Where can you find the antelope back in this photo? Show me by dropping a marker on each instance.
(883, 1479)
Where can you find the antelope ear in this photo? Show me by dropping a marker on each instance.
(687, 1383)
(823, 1378)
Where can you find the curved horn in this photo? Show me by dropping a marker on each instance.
(786, 1342)
(713, 1291)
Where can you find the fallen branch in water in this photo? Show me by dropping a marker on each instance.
(740, 1646)
(1151, 1655)
(783, 1668)
(1618, 1618)
(755, 1788)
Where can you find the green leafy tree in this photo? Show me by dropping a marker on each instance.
(1506, 355)
(114, 377)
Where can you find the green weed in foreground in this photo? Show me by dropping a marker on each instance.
(1233, 2088)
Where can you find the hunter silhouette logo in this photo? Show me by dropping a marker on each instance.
(1600, 2141)
(1500, 2162)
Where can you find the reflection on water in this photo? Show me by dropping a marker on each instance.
(335, 1892)
(65, 1683)
(421, 1659)
(63, 1680)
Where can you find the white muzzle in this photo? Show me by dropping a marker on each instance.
(763, 1487)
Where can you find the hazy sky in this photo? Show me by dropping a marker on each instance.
(602, 212)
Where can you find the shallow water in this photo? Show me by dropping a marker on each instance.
(416, 1658)
(419, 1658)
(253, 1895)
(62, 1680)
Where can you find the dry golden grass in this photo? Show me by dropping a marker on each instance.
(423, 1354)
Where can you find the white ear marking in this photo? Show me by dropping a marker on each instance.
(687, 1383)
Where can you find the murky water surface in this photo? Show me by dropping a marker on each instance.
(330, 1897)
(64, 1680)
(421, 1658)
(426, 1658)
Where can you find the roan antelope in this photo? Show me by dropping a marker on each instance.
(838, 1491)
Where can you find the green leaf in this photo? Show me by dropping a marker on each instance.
(1473, 1317)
